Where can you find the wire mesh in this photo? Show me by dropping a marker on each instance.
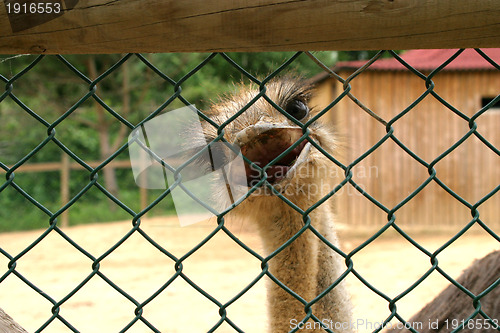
(93, 182)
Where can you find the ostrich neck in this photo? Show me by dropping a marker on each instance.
(307, 266)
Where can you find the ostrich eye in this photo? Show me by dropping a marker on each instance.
(297, 109)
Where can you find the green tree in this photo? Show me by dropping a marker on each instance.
(133, 90)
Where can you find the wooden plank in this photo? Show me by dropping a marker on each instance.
(56, 166)
(103, 26)
(9, 325)
(39, 167)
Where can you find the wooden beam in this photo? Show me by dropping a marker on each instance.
(107, 26)
(57, 166)
(8, 325)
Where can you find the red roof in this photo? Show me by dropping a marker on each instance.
(426, 60)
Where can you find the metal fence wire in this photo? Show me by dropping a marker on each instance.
(11, 181)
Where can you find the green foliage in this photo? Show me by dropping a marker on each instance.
(51, 89)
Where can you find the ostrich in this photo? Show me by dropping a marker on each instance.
(307, 266)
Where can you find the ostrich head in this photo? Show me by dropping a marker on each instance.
(263, 133)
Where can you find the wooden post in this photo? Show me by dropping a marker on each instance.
(102, 26)
(8, 325)
(65, 170)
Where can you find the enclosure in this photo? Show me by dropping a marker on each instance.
(84, 248)
(468, 83)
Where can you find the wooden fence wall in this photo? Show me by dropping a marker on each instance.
(389, 174)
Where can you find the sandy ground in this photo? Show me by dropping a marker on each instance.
(220, 267)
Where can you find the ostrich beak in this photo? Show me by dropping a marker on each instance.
(262, 143)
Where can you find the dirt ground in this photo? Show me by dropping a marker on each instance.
(220, 267)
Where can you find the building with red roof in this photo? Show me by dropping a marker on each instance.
(428, 60)
(427, 117)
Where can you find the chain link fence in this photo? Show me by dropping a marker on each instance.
(13, 180)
